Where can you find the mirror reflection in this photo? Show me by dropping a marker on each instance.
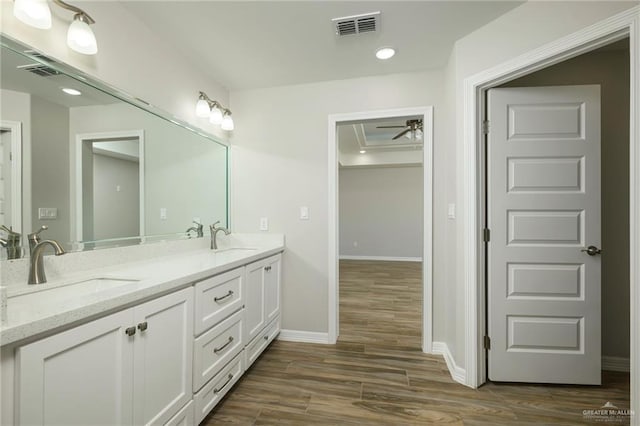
(95, 170)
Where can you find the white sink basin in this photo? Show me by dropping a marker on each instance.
(64, 291)
(235, 250)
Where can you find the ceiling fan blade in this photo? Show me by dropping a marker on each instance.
(401, 134)
(390, 127)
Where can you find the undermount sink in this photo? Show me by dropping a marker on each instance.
(235, 249)
(73, 289)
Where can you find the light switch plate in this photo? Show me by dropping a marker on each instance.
(163, 213)
(264, 224)
(451, 211)
(304, 213)
(47, 213)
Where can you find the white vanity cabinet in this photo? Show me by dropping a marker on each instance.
(262, 305)
(131, 367)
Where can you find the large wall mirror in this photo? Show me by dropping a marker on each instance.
(95, 166)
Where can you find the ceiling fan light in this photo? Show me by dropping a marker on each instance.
(80, 37)
(227, 123)
(202, 108)
(35, 13)
(216, 115)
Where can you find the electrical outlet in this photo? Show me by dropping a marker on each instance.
(163, 213)
(48, 213)
(304, 213)
(451, 211)
(264, 224)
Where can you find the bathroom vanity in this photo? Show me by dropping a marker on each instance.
(159, 340)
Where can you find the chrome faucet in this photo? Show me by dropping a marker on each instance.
(11, 243)
(36, 265)
(214, 234)
(199, 228)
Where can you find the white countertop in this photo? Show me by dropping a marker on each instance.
(44, 308)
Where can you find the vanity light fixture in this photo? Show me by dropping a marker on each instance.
(72, 92)
(385, 53)
(217, 114)
(37, 14)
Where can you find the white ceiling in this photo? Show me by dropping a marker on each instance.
(251, 44)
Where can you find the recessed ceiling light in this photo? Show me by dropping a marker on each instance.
(362, 151)
(72, 92)
(385, 53)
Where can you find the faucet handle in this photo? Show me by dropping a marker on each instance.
(35, 236)
(213, 227)
(10, 232)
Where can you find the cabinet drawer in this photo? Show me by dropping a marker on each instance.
(217, 298)
(260, 343)
(184, 417)
(215, 348)
(217, 388)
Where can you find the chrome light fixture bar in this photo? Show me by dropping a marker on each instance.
(37, 14)
(217, 114)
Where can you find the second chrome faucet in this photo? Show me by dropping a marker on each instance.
(36, 264)
(214, 234)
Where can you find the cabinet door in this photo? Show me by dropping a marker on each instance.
(82, 376)
(163, 357)
(255, 318)
(272, 287)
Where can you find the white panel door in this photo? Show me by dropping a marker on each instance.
(163, 357)
(543, 211)
(82, 376)
(272, 287)
(254, 314)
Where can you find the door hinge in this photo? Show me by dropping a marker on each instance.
(485, 127)
(486, 235)
(487, 342)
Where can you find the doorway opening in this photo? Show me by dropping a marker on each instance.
(380, 191)
(351, 238)
(109, 190)
(11, 175)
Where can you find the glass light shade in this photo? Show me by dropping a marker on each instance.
(385, 53)
(227, 123)
(216, 116)
(80, 37)
(419, 134)
(202, 108)
(35, 13)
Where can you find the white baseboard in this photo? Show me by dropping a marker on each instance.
(303, 336)
(457, 373)
(381, 258)
(615, 363)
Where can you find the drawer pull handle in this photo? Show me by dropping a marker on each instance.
(130, 331)
(217, 299)
(221, 348)
(229, 377)
(143, 326)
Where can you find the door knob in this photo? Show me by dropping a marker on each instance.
(592, 250)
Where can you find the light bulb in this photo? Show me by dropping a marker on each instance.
(227, 122)
(216, 115)
(80, 37)
(419, 134)
(385, 53)
(202, 108)
(35, 13)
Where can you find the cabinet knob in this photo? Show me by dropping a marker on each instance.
(266, 337)
(143, 326)
(130, 331)
(267, 268)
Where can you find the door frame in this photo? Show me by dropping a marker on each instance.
(76, 189)
(15, 127)
(604, 32)
(427, 251)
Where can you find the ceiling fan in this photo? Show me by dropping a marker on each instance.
(411, 126)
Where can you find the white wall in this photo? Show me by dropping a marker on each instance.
(611, 71)
(116, 197)
(280, 163)
(380, 211)
(515, 33)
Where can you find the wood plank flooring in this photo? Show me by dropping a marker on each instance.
(377, 374)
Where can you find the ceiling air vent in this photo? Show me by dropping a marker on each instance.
(39, 69)
(357, 24)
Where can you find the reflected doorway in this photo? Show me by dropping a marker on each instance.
(110, 186)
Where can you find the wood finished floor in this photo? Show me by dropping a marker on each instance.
(377, 374)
